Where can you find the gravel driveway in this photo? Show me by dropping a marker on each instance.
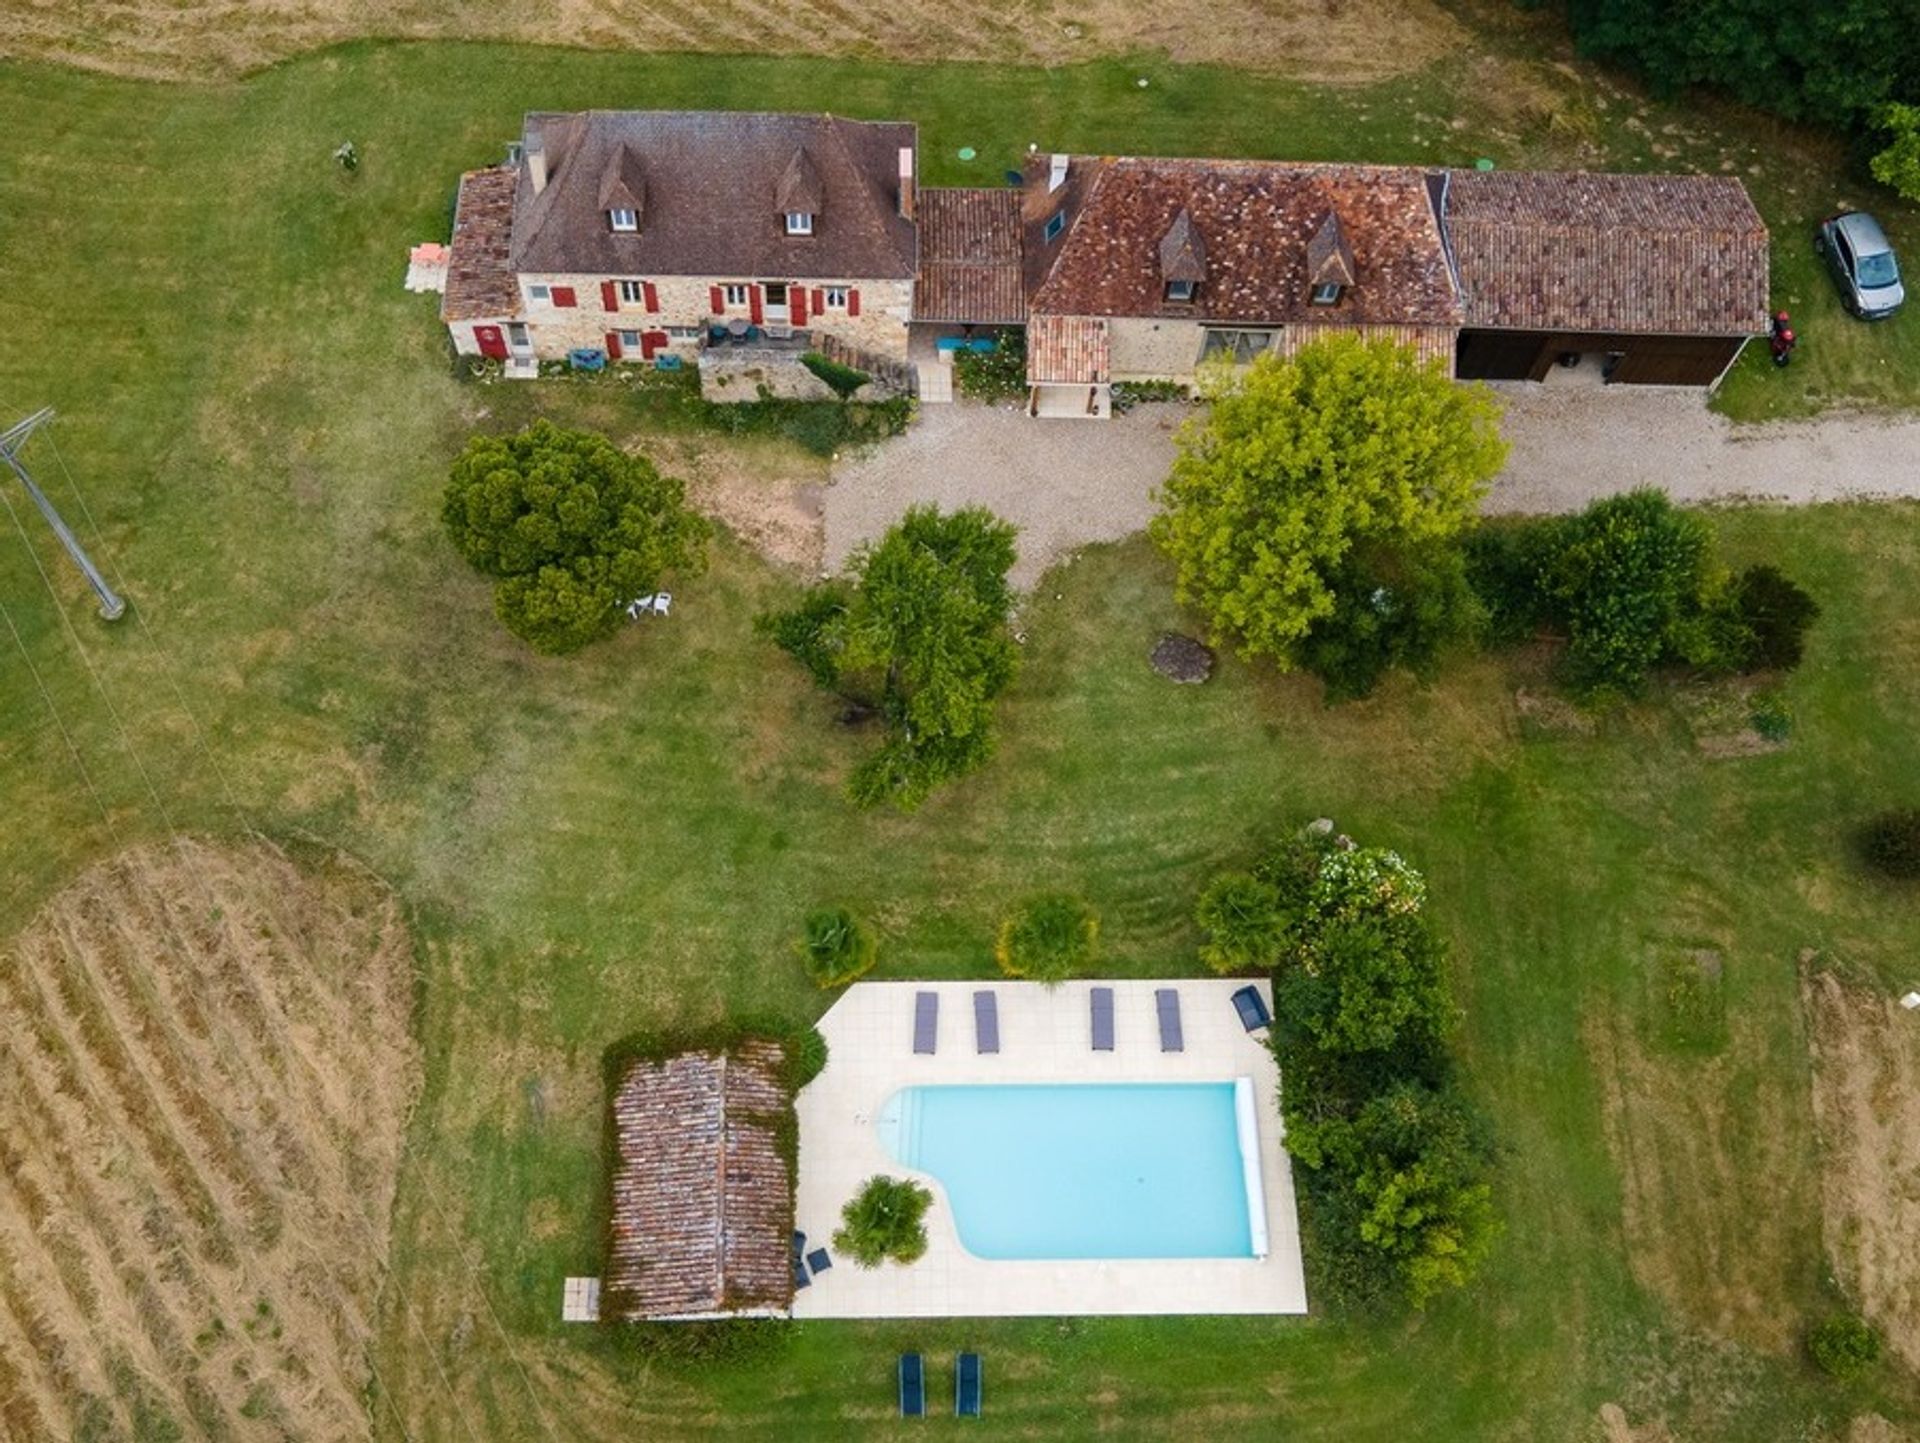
(1068, 483)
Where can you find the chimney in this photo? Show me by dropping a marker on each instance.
(1056, 173)
(537, 163)
(906, 181)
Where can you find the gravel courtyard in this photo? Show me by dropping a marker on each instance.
(1066, 484)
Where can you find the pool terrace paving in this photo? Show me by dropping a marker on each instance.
(1044, 1037)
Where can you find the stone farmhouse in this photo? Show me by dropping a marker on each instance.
(720, 239)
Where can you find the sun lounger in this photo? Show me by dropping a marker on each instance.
(1100, 1002)
(1252, 1009)
(926, 1021)
(800, 1278)
(1166, 1002)
(913, 1386)
(819, 1260)
(986, 1022)
(966, 1386)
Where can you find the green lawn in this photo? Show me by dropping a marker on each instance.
(260, 420)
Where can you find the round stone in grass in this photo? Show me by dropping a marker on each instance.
(1182, 659)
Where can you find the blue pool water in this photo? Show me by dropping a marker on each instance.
(1125, 1170)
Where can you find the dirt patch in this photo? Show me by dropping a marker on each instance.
(1350, 41)
(771, 501)
(1872, 1428)
(207, 1070)
(1706, 1140)
(1615, 1428)
(1551, 715)
(1866, 1107)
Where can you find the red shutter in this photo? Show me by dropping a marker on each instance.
(609, 296)
(613, 345)
(819, 301)
(853, 303)
(717, 299)
(757, 314)
(650, 295)
(564, 296)
(798, 295)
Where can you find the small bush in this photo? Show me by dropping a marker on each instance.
(809, 1057)
(707, 1342)
(1845, 1346)
(1241, 916)
(886, 1219)
(1890, 844)
(996, 375)
(1048, 938)
(835, 946)
(1507, 560)
(843, 381)
(1128, 394)
(1771, 717)
(1776, 613)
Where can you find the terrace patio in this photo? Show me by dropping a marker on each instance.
(1044, 1037)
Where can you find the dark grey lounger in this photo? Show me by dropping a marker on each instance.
(1101, 1015)
(913, 1386)
(986, 1022)
(800, 1278)
(966, 1386)
(1252, 1009)
(926, 1021)
(1166, 1001)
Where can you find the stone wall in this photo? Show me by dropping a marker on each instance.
(685, 304)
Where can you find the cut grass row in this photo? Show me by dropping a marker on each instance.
(261, 421)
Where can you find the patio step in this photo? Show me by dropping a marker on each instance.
(936, 383)
(522, 368)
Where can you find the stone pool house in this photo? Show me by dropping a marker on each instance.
(738, 242)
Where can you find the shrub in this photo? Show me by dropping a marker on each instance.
(1844, 1345)
(996, 375)
(1048, 938)
(1125, 395)
(1300, 461)
(921, 636)
(1890, 844)
(1776, 614)
(836, 946)
(1398, 610)
(1507, 561)
(571, 527)
(842, 380)
(886, 1219)
(809, 1057)
(1241, 916)
(1771, 717)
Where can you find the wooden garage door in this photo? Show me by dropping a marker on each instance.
(1674, 360)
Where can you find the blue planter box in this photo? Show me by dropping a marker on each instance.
(587, 358)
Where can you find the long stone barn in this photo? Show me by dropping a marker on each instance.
(702, 1205)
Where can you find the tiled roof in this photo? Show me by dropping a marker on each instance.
(1067, 350)
(1254, 221)
(480, 281)
(1645, 254)
(702, 1203)
(715, 183)
(969, 257)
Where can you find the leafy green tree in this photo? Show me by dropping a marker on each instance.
(1897, 166)
(1242, 919)
(1398, 609)
(836, 946)
(885, 1219)
(921, 634)
(1349, 444)
(1048, 938)
(572, 528)
(1845, 1345)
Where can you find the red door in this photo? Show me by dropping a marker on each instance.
(652, 342)
(492, 343)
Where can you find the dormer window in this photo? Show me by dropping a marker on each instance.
(623, 220)
(799, 222)
(1179, 290)
(1183, 259)
(1327, 293)
(1330, 267)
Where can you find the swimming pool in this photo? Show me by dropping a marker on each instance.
(1073, 1170)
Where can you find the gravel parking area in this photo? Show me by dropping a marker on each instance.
(1066, 484)
(1063, 483)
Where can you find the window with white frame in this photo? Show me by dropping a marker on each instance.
(1179, 290)
(1239, 347)
(1326, 293)
(540, 293)
(736, 295)
(623, 220)
(799, 222)
(629, 340)
(836, 298)
(685, 333)
(633, 293)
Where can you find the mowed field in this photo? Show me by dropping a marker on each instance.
(206, 1072)
(1338, 41)
(255, 426)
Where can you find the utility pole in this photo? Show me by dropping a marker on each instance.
(111, 606)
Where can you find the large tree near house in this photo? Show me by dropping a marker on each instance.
(1322, 479)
